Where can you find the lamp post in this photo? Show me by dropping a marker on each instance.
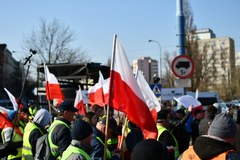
(160, 66)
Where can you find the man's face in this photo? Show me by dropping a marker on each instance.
(24, 116)
(69, 115)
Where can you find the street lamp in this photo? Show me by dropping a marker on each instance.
(160, 66)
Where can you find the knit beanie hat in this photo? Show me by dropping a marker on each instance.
(81, 130)
(149, 149)
(11, 114)
(223, 126)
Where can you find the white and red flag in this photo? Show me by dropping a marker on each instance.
(53, 89)
(95, 93)
(106, 84)
(12, 99)
(187, 101)
(149, 97)
(78, 103)
(125, 94)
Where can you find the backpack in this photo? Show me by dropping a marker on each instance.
(43, 151)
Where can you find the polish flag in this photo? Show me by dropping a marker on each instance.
(106, 84)
(95, 93)
(125, 94)
(149, 97)
(78, 103)
(53, 90)
(12, 99)
(4, 121)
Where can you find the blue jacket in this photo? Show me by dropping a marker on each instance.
(98, 147)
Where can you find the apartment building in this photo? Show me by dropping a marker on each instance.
(148, 66)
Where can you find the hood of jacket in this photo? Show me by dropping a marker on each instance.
(42, 118)
(207, 147)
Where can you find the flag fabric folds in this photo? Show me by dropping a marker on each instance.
(188, 101)
(12, 99)
(78, 103)
(95, 93)
(125, 94)
(53, 90)
(149, 97)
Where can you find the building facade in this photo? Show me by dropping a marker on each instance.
(11, 73)
(148, 66)
(217, 59)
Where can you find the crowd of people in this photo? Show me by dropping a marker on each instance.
(184, 134)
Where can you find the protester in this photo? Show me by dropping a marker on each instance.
(99, 139)
(165, 136)
(134, 136)
(217, 144)
(207, 120)
(32, 109)
(198, 116)
(13, 135)
(59, 136)
(98, 110)
(33, 131)
(91, 118)
(24, 118)
(80, 146)
(177, 126)
(149, 149)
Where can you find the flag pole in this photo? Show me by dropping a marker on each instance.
(123, 133)
(110, 91)
(47, 90)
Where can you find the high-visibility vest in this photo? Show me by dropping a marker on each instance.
(161, 129)
(112, 141)
(72, 149)
(108, 154)
(27, 148)
(16, 137)
(190, 154)
(22, 125)
(32, 111)
(53, 147)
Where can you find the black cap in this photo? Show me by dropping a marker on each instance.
(67, 106)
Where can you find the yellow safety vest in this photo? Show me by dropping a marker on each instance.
(108, 154)
(32, 111)
(15, 138)
(161, 129)
(72, 149)
(27, 148)
(53, 147)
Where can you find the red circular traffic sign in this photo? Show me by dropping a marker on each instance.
(182, 66)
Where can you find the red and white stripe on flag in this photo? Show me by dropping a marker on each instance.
(125, 94)
(95, 93)
(78, 103)
(53, 89)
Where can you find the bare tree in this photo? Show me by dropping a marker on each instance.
(168, 77)
(52, 41)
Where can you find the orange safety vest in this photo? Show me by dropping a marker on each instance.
(190, 154)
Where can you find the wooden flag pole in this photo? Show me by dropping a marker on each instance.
(106, 135)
